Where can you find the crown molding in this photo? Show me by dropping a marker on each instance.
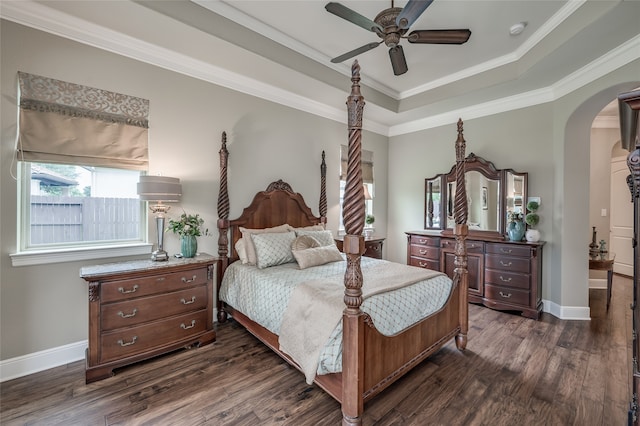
(41, 17)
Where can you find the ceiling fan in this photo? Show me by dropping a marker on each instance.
(391, 25)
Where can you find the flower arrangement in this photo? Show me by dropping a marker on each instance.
(369, 219)
(515, 216)
(188, 224)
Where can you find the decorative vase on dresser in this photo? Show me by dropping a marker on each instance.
(516, 230)
(188, 245)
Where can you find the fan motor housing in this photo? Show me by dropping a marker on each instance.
(387, 20)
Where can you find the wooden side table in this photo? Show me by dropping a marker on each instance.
(372, 246)
(604, 262)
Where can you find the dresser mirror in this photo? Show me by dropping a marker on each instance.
(491, 195)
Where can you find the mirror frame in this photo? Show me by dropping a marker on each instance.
(487, 169)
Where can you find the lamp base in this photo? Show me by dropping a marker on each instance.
(159, 256)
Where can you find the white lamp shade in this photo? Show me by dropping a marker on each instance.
(159, 188)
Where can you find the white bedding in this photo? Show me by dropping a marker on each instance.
(263, 295)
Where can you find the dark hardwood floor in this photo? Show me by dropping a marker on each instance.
(515, 371)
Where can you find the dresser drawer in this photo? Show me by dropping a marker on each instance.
(425, 263)
(472, 246)
(507, 263)
(506, 295)
(509, 250)
(128, 342)
(144, 286)
(143, 309)
(425, 252)
(425, 241)
(510, 279)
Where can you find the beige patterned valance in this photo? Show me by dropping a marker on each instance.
(63, 122)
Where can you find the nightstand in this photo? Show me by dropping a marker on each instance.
(372, 246)
(140, 309)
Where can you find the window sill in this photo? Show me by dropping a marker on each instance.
(41, 257)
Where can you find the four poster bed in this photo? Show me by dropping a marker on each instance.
(374, 342)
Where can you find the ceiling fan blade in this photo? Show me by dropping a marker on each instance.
(353, 17)
(439, 36)
(355, 52)
(411, 11)
(398, 61)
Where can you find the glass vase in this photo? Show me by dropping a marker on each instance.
(188, 245)
(516, 230)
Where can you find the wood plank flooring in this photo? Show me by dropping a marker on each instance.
(515, 371)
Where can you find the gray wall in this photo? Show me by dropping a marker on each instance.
(45, 306)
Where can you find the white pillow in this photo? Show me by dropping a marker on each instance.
(310, 228)
(325, 238)
(273, 248)
(317, 256)
(242, 252)
(249, 247)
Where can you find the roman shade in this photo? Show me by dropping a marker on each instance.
(366, 163)
(68, 123)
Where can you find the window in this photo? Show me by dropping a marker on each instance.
(80, 153)
(67, 205)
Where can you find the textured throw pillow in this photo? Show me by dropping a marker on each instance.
(317, 256)
(249, 247)
(310, 228)
(273, 248)
(325, 238)
(304, 242)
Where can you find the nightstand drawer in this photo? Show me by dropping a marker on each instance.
(144, 286)
(127, 342)
(373, 249)
(143, 309)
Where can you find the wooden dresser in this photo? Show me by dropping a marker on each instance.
(372, 246)
(140, 309)
(503, 275)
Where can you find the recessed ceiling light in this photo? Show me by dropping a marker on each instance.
(517, 29)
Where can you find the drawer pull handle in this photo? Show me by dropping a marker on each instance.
(506, 296)
(187, 280)
(186, 327)
(423, 241)
(506, 263)
(123, 344)
(422, 264)
(188, 302)
(506, 281)
(132, 314)
(422, 251)
(505, 251)
(472, 246)
(133, 290)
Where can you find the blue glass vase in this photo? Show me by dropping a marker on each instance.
(516, 230)
(188, 245)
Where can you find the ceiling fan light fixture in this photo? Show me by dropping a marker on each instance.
(398, 61)
(517, 29)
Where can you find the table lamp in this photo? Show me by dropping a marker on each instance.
(159, 189)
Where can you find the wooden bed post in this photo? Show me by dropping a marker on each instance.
(460, 272)
(353, 216)
(322, 205)
(223, 223)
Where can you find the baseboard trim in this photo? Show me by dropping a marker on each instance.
(566, 312)
(43, 360)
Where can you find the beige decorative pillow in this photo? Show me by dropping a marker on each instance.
(317, 256)
(310, 228)
(304, 242)
(242, 253)
(325, 238)
(250, 248)
(273, 248)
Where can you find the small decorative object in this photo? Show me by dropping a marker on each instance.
(188, 227)
(516, 227)
(369, 220)
(603, 246)
(532, 219)
(593, 247)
